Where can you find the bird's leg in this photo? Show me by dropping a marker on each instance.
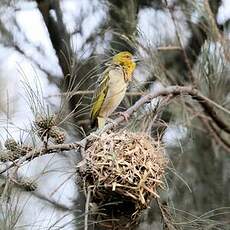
(100, 125)
(125, 115)
(100, 122)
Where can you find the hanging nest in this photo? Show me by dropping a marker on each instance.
(123, 171)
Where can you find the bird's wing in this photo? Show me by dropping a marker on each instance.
(99, 96)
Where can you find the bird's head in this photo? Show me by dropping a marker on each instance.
(126, 60)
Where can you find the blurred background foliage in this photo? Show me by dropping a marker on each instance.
(178, 42)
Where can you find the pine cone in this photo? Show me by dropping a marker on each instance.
(45, 122)
(11, 144)
(25, 149)
(52, 119)
(4, 155)
(28, 184)
(57, 134)
(7, 155)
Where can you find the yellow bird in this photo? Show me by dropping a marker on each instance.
(112, 87)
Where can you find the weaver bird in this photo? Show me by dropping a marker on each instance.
(112, 87)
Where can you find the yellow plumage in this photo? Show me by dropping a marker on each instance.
(112, 87)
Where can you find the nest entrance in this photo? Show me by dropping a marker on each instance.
(123, 171)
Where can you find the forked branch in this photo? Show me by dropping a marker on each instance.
(205, 102)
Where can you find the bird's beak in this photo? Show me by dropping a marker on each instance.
(135, 59)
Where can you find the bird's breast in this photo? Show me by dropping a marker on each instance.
(116, 92)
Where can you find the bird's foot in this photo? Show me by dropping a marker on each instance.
(125, 115)
(112, 121)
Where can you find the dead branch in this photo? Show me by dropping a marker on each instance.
(91, 92)
(187, 62)
(208, 106)
(58, 35)
(214, 133)
(211, 129)
(87, 208)
(205, 102)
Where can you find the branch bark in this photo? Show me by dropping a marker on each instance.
(59, 37)
(206, 103)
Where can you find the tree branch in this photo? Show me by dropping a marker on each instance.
(214, 133)
(206, 103)
(91, 92)
(59, 37)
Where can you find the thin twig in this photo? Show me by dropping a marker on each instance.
(53, 202)
(87, 208)
(91, 92)
(215, 33)
(210, 128)
(166, 216)
(206, 104)
(42, 151)
(37, 194)
(168, 48)
(192, 78)
(214, 133)
(60, 185)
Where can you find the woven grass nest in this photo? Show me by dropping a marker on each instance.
(123, 170)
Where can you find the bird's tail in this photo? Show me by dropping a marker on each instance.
(93, 123)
